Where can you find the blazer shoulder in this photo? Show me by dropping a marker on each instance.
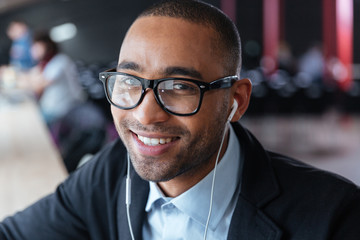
(296, 176)
(314, 196)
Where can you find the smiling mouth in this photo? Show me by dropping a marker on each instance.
(154, 141)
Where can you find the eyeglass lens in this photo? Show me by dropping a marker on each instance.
(178, 96)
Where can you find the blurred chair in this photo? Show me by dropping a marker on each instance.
(81, 132)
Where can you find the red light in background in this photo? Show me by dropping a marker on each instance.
(344, 37)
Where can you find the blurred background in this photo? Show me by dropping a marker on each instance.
(303, 57)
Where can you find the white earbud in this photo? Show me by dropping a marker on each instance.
(212, 192)
(233, 110)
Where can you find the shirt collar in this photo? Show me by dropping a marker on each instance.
(227, 181)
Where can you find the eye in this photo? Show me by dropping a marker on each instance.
(127, 82)
(131, 81)
(183, 86)
(179, 88)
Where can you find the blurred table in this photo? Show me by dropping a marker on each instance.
(30, 165)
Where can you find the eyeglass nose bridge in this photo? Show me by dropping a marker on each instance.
(146, 83)
(150, 84)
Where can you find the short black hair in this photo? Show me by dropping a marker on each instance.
(228, 39)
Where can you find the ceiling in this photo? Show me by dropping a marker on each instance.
(6, 5)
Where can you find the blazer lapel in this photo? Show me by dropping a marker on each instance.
(249, 223)
(258, 187)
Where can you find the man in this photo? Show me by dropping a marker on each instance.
(54, 79)
(172, 129)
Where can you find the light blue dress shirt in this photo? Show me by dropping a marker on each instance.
(185, 216)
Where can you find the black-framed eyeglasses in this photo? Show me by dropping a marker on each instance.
(178, 96)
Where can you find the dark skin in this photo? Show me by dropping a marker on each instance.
(159, 47)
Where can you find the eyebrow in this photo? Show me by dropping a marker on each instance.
(169, 71)
(183, 71)
(129, 66)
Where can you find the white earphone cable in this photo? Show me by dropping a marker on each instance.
(213, 183)
(128, 197)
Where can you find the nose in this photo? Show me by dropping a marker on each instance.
(149, 111)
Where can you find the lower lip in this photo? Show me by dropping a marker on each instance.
(152, 150)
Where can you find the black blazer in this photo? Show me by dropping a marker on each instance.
(280, 199)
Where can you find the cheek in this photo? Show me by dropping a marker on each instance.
(207, 121)
(113, 111)
(118, 115)
(116, 112)
(214, 106)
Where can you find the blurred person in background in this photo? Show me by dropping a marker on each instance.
(20, 56)
(54, 79)
(312, 64)
(77, 127)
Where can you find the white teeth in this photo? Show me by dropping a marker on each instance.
(154, 141)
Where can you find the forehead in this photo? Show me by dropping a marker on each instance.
(166, 24)
(159, 41)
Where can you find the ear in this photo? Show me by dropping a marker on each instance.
(241, 92)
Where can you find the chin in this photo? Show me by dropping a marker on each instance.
(154, 171)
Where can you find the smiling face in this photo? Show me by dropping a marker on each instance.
(162, 146)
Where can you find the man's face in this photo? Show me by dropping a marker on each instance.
(164, 146)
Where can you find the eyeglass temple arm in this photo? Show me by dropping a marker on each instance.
(223, 83)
